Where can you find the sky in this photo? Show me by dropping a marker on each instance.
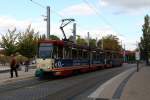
(123, 18)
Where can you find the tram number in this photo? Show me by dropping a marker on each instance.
(58, 64)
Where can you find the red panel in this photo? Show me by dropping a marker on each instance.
(54, 42)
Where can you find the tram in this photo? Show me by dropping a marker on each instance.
(64, 58)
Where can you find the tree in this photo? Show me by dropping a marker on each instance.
(54, 37)
(8, 42)
(92, 43)
(99, 43)
(42, 37)
(145, 39)
(27, 42)
(71, 38)
(110, 42)
(81, 41)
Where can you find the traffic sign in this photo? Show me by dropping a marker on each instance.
(137, 55)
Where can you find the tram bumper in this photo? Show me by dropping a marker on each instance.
(39, 73)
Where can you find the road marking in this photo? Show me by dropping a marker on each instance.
(120, 88)
(106, 90)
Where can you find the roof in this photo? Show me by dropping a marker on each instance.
(55, 42)
(71, 44)
(128, 52)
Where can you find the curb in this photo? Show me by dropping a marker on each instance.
(17, 79)
(4, 71)
(22, 76)
(107, 90)
(7, 70)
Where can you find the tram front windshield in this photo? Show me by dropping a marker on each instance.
(45, 50)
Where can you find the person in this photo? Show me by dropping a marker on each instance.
(13, 66)
(27, 65)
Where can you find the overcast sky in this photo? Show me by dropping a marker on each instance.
(123, 18)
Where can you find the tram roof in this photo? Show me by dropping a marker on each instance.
(55, 42)
(69, 43)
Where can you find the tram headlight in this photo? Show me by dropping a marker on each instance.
(57, 73)
(49, 67)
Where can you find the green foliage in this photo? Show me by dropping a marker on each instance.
(71, 38)
(8, 42)
(21, 58)
(53, 37)
(110, 42)
(99, 43)
(92, 43)
(3, 59)
(42, 37)
(81, 41)
(27, 42)
(145, 39)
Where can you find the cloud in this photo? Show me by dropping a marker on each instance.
(97, 32)
(39, 25)
(21, 25)
(103, 3)
(36, 23)
(129, 42)
(127, 5)
(10, 23)
(77, 10)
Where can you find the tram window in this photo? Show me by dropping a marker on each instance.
(80, 54)
(85, 55)
(60, 52)
(97, 56)
(114, 55)
(45, 50)
(55, 52)
(94, 55)
(67, 53)
(74, 53)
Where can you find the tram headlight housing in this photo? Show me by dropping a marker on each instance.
(49, 67)
(57, 73)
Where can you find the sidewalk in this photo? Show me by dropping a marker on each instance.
(138, 86)
(129, 85)
(5, 77)
(4, 69)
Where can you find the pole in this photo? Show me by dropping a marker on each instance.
(88, 39)
(102, 46)
(96, 42)
(137, 55)
(124, 54)
(137, 65)
(48, 22)
(89, 49)
(74, 33)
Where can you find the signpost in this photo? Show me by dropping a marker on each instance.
(137, 56)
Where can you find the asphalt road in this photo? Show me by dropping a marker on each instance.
(71, 88)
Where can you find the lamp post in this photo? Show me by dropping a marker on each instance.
(124, 53)
(137, 56)
(47, 19)
(48, 22)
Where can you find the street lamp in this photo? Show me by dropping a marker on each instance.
(47, 19)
